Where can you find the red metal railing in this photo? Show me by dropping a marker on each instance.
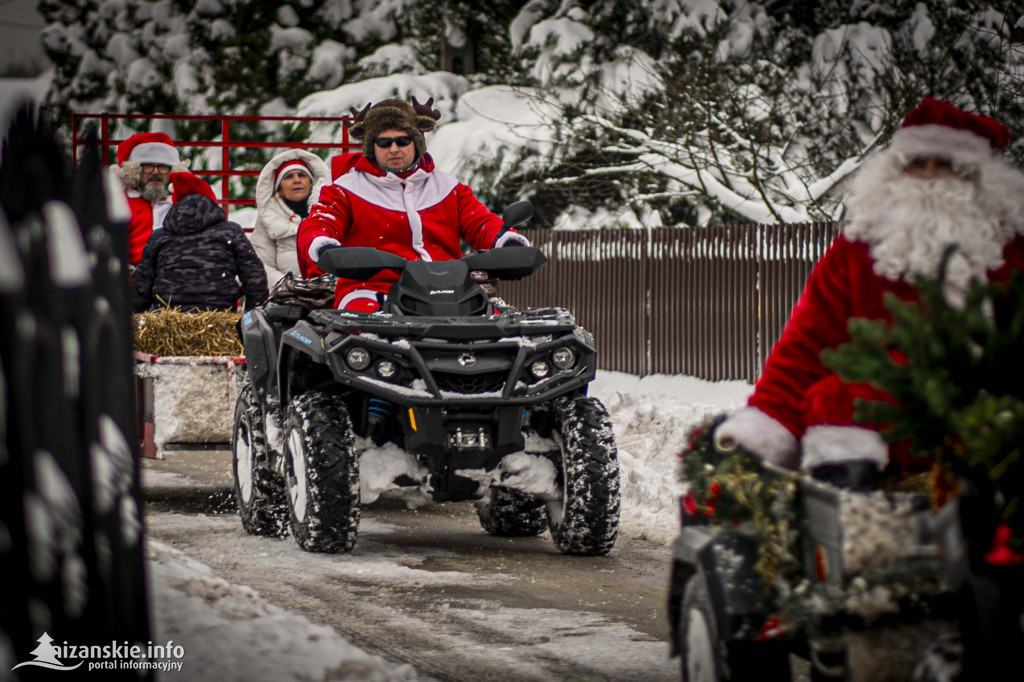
(226, 143)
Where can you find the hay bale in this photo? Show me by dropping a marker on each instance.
(169, 331)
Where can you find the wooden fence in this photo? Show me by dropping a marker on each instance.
(705, 302)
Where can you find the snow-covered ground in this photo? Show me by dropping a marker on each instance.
(209, 616)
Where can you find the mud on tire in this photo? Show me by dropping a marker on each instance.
(586, 520)
(510, 513)
(322, 473)
(259, 490)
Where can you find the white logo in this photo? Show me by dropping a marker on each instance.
(111, 656)
(467, 359)
(46, 656)
(435, 292)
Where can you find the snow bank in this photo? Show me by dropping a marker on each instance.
(651, 417)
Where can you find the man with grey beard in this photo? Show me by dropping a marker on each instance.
(937, 184)
(145, 162)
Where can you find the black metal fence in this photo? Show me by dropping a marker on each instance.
(705, 302)
(71, 526)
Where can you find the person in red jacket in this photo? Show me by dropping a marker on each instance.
(937, 184)
(145, 162)
(391, 197)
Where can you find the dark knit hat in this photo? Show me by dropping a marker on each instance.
(392, 114)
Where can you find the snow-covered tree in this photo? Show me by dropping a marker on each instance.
(677, 111)
(643, 112)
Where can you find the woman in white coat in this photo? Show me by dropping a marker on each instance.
(288, 186)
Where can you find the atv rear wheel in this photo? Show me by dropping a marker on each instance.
(258, 488)
(322, 472)
(586, 520)
(510, 513)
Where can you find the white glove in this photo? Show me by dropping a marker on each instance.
(317, 246)
(759, 434)
(510, 237)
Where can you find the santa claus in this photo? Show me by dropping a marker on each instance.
(937, 184)
(145, 162)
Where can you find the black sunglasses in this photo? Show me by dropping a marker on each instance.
(150, 167)
(386, 142)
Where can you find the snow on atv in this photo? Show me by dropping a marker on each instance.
(445, 394)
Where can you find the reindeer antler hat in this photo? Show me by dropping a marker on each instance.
(393, 114)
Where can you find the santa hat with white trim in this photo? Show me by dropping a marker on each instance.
(146, 148)
(288, 166)
(936, 128)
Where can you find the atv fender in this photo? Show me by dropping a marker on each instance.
(736, 588)
(301, 362)
(260, 345)
(307, 340)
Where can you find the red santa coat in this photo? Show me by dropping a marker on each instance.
(145, 217)
(795, 388)
(421, 215)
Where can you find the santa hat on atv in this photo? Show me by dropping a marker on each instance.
(146, 148)
(393, 114)
(936, 128)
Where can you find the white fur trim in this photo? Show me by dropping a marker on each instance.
(413, 194)
(318, 244)
(828, 444)
(155, 152)
(355, 295)
(511, 237)
(941, 141)
(761, 434)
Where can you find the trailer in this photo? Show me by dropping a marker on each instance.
(186, 402)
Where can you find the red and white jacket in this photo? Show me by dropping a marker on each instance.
(797, 397)
(418, 215)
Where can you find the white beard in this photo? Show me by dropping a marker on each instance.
(154, 193)
(909, 222)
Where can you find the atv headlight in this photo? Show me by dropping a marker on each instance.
(563, 358)
(540, 368)
(358, 358)
(386, 369)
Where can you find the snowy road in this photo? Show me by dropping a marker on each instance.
(429, 588)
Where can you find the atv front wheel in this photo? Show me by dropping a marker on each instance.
(509, 513)
(258, 488)
(705, 658)
(586, 520)
(322, 472)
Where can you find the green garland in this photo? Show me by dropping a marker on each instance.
(953, 373)
(734, 488)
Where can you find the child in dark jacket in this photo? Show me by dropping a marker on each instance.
(192, 262)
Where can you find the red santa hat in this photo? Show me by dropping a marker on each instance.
(288, 166)
(936, 128)
(184, 183)
(148, 148)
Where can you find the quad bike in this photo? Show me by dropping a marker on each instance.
(773, 562)
(457, 395)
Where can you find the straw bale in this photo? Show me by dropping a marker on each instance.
(169, 331)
